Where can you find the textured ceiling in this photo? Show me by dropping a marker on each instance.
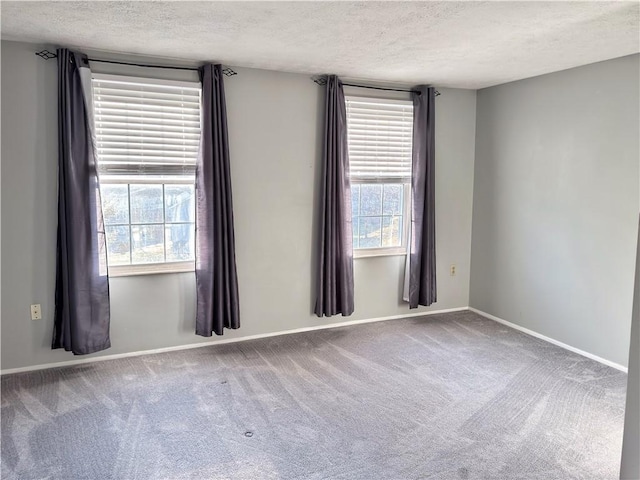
(455, 44)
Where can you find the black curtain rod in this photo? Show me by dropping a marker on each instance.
(380, 88)
(47, 55)
(323, 81)
(170, 67)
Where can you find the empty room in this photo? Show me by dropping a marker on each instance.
(320, 240)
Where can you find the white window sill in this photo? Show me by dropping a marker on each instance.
(151, 269)
(378, 252)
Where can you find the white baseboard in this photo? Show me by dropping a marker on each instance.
(604, 361)
(221, 341)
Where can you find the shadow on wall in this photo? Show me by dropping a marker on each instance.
(187, 302)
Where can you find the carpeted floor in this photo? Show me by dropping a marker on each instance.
(450, 396)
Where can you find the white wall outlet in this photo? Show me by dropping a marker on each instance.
(36, 312)
(452, 270)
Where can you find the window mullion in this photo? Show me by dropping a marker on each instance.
(130, 229)
(359, 215)
(164, 226)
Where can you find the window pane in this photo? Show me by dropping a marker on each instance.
(179, 201)
(370, 232)
(115, 204)
(355, 225)
(180, 242)
(146, 204)
(148, 243)
(355, 213)
(117, 245)
(355, 200)
(391, 231)
(392, 202)
(370, 199)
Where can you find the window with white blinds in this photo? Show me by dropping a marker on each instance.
(380, 133)
(146, 126)
(147, 139)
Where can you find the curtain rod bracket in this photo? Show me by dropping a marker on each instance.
(47, 55)
(229, 72)
(320, 79)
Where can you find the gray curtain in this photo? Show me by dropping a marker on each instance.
(216, 277)
(334, 275)
(81, 322)
(630, 464)
(422, 261)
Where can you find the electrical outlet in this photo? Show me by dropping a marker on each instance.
(452, 270)
(36, 313)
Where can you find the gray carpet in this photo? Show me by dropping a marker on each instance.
(450, 396)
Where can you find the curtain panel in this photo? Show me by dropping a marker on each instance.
(334, 273)
(82, 310)
(422, 242)
(217, 305)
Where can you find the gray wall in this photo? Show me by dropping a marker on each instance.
(274, 134)
(556, 203)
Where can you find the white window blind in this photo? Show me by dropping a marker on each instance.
(380, 136)
(146, 126)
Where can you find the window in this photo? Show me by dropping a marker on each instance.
(147, 139)
(380, 139)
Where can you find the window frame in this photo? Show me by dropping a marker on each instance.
(135, 269)
(156, 267)
(406, 207)
(403, 249)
